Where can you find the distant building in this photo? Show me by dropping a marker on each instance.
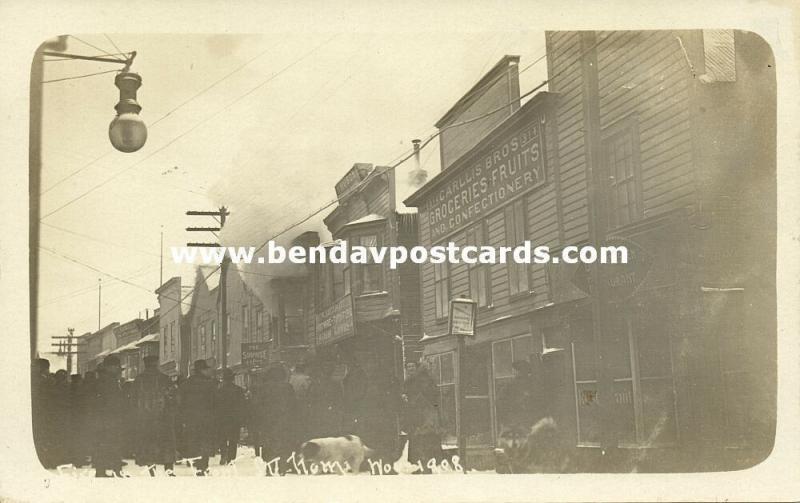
(96, 346)
(175, 345)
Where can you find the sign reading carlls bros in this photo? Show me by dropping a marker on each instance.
(513, 165)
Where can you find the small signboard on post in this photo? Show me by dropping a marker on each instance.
(462, 317)
(461, 323)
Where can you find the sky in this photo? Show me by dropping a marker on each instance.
(264, 124)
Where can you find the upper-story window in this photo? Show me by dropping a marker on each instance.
(441, 286)
(518, 279)
(172, 339)
(203, 353)
(259, 324)
(214, 338)
(479, 284)
(621, 166)
(370, 275)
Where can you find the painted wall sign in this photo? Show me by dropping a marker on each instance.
(335, 322)
(509, 167)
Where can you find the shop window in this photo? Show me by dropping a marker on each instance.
(479, 284)
(259, 324)
(442, 368)
(370, 274)
(441, 286)
(639, 361)
(477, 409)
(621, 163)
(504, 354)
(165, 343)
(338, 281)
(518, 280)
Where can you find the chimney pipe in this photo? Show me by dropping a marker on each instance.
(147, 313)
(417, 176)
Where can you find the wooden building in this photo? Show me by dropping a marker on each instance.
(366, 316)
(664, 142)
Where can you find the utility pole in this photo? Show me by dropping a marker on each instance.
(598, 230)
(99, 300)
(68, 346)
(220, 215)
(161, 259)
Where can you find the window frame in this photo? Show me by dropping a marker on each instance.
(441, 385)
(481, 228)
(628, 125)
(632, 337)
(361, 269)
(494, 377)
(444, 281)
(515, 272)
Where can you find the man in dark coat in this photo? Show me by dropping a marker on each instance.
(154, 400)
(276, 412)
(421, 418)
(196, 399)
(326, 402)
(230, 416)
(107, 410)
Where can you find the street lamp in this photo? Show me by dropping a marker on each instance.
(127, 131)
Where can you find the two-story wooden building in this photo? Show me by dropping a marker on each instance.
(661, 141)
(365, 315)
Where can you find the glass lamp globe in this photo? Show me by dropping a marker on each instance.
(127, 132)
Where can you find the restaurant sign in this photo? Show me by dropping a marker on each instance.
(513, 164)
(254, 354)
(336, 322)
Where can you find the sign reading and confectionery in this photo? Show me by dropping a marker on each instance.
(506, 169)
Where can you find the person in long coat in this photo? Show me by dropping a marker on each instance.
(154, 399)
(231, 414)
(108, 406)
(276, 414)
(422, 418)
(326, 402)
(196, 399)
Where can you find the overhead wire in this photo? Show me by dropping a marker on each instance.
(196, 125)
(402, 158)
(78, 76)
(164, 116)
(94, 47)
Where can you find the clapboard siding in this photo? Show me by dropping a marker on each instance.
(645, 76)
(642, 77)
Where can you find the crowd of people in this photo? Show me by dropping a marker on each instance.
(99, 419)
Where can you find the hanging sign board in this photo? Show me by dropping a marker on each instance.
(462, 317)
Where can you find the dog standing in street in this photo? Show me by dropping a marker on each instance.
(336, 454)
